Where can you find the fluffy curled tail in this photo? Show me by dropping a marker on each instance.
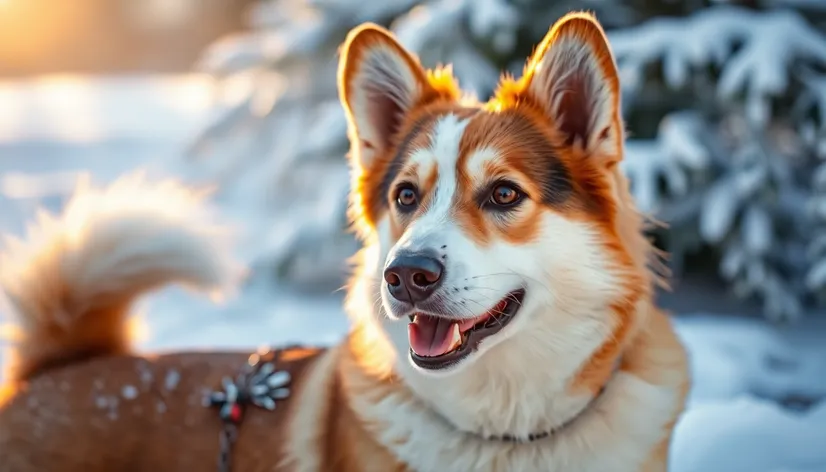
(74, 277)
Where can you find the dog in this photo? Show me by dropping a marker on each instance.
(503, 309)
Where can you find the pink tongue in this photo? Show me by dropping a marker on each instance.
(430, 336)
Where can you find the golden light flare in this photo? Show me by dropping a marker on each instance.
(31, 30)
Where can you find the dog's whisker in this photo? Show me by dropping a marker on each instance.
(510, 273)
(479, 287)
(511, 297)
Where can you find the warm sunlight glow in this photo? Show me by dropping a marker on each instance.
(27, 33)
(10, 333)
(138, 329)
(80, 109)
(168, 13)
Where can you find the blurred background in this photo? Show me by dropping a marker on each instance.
(725, 104)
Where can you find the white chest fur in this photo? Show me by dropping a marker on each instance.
(617, 433)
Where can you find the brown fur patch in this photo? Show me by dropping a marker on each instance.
(56, 344)
(137, 413)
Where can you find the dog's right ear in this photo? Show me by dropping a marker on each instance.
(379, 83)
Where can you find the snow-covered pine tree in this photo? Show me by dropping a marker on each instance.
(725, 106)
(733, 164)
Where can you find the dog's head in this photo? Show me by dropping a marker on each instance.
(505, 236)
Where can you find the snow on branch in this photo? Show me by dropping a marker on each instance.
(287, 31)
(677, 149)
(813, 97)
(754, 50)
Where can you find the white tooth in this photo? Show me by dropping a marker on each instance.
(457, 337)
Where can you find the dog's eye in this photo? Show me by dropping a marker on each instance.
(407, 198)
(504, 195)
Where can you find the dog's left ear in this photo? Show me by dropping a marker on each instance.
(573, 78)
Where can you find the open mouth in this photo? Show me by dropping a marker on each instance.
(437, 342)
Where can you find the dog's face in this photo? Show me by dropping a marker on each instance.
(497, 223)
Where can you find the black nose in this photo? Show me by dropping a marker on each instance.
(413, 278)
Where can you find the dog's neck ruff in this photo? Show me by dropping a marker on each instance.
(544, 434)
(551, 432)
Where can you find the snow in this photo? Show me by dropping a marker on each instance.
(49, 108)
(754, 403)
(760, 67)
(129, 392)
(749, 435)
(744, 371)
(676, 149)
(171, 380)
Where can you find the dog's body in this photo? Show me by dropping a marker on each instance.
(504, 231)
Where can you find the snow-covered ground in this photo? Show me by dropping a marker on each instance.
(754, 385)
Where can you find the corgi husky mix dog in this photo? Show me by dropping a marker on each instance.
(503, 307)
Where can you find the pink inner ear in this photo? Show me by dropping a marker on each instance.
(575, 108)
(569, 81)
(580, 100)
(385, 115)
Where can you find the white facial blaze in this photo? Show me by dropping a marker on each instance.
(429, 230)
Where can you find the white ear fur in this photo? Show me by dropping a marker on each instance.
(573, 76)
(379, 82)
